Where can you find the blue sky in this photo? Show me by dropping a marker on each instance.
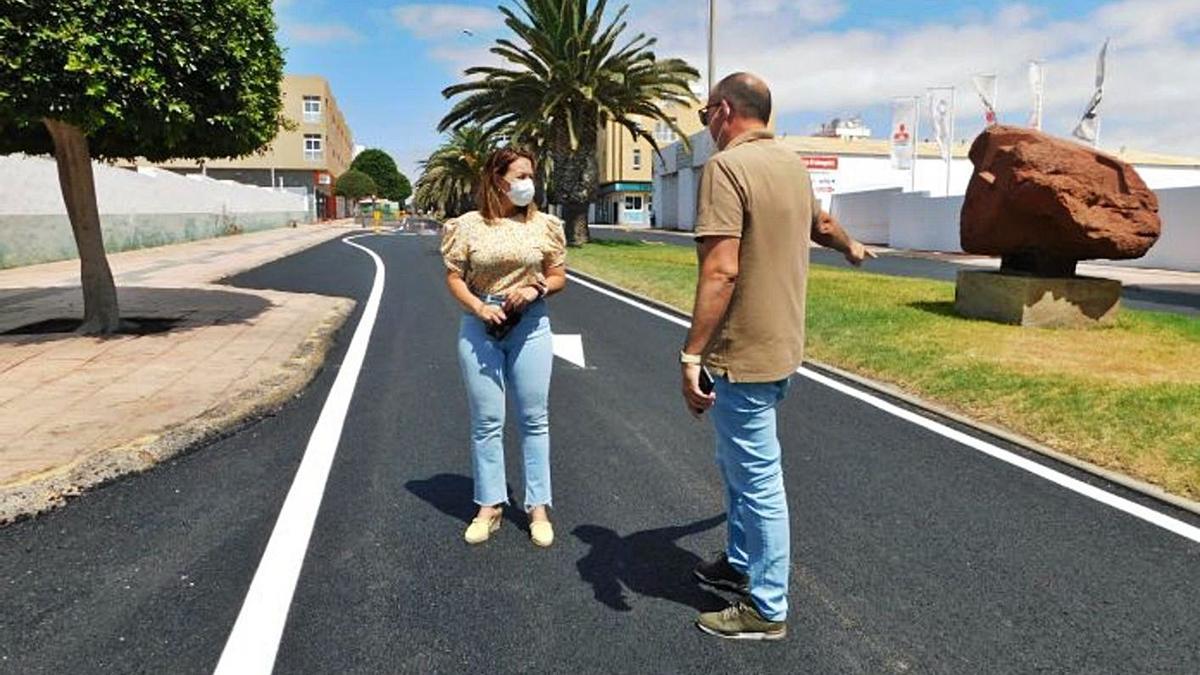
(387, 60)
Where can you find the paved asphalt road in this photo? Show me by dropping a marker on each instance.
(1162, 298)
(912, 552)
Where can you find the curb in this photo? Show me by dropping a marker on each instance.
(934, 410)
(53, 488)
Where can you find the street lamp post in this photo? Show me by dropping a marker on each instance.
(712, 37)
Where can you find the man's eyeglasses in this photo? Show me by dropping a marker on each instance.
(704, 112)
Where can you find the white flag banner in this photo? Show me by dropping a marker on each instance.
(1037, 84)
(904, 124)
(941, 111)
(987, 88)
(1088, 128)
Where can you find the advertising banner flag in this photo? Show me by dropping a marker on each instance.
(904, 133)
(1037, 84)
(1088, 128)
(987, 86)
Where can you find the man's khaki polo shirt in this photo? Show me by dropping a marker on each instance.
(760, 191)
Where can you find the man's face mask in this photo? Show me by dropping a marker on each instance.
(715, 114)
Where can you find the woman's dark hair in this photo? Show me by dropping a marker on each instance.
(493, 192)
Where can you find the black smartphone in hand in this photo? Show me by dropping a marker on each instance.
(706, 381)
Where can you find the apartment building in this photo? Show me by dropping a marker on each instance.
(307, 158)
(626, 195)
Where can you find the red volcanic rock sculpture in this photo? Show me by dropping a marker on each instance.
(1044, 203)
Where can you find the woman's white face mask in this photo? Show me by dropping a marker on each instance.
(521, 192)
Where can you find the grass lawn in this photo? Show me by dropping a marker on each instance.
(1126, 398)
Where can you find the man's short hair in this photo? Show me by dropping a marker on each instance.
(747, 94)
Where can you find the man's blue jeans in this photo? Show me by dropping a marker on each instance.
(748, 454)
(520, 362)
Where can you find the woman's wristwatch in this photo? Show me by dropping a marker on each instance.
(690, 359)
(541, 291)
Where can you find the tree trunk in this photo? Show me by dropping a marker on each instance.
(575, 174)
(575, 222)
(101, 314)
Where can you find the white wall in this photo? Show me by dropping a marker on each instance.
(29, 186)
(865, 215)
(1179, 246)
(137, 209)
(1167, 177)
(923, 223)
(916, 221)
(859, 173)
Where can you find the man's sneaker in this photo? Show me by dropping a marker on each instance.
(718, 573)
(740, 621)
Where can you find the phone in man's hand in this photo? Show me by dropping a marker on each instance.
(706, 381)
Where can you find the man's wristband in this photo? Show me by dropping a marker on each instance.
(690, 359)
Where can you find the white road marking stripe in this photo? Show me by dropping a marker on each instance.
(1104, 497)
(570, 348)
(254, 641)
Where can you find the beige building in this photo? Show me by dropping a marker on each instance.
(308, 157)
(627, 166)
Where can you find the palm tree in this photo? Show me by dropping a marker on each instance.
(570, 76)
(449, 176)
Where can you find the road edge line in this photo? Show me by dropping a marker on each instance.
(253, 642)
(930, 409)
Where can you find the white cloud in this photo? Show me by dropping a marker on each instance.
(1153, 66)
(808, 11)
(466, 54)
(439, 20)
(320, 33)
(816, 67)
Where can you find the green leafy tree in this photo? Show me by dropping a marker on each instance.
(160, 79)
(571, 72)
(382, 169)
(406, 190)
(450, 175)
(354, 185)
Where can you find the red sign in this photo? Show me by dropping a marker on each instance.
(821, 163)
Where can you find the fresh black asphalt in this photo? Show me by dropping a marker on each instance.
(911, 553)
(1173, 298)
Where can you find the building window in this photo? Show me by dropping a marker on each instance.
(312, 108)
(313, 148)
(633, 202)
(664, 134)
(637, 159)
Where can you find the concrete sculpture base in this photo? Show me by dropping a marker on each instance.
(1037, 302)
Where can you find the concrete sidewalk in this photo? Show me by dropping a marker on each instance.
(78, 411)
(1127, 275)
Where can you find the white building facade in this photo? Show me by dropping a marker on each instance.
(855, 181)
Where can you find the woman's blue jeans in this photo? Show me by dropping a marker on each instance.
(519, 363)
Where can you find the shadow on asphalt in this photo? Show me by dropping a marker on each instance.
(649, 563)
(454, 495)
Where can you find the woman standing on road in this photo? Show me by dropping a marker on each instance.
(502, 261)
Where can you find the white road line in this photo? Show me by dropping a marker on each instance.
(1058, 478)
(255, 638)
(570, 348)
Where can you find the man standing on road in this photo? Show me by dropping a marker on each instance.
(757, 215)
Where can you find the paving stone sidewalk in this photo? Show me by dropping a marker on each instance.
(78, 411)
